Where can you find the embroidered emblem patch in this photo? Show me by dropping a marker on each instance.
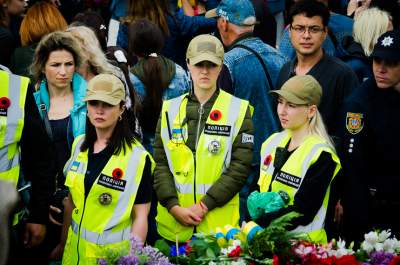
(247, 138)
(354, 122)
(222, 130)
(112, 183)
(75, 166)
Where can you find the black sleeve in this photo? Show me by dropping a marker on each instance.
(145, 188)
(37, 161)
(225, 81)
(310, 196)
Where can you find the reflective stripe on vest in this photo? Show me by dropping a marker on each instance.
(107, 237)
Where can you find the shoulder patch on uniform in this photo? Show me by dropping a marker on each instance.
(354, 122)
(247, 138)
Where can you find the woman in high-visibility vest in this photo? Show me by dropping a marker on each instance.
(109, 179)
(301, 160)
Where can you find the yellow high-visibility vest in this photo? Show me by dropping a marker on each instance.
(195, 174)
(103, 220)
(293, 172)
(13, 89)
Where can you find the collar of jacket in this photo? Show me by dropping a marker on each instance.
(241, 37)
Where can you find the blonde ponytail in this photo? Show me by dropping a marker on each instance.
(317, 127)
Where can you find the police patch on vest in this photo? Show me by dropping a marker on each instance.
(354, 122)
(247, 138)
(213, 129)
(3, 112)
(112, 183)
(288, 179)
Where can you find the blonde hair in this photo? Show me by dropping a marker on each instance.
(368, 26)
(317, 127)
(91, 49)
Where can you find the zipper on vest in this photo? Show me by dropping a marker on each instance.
(201, 112)
(79, 231)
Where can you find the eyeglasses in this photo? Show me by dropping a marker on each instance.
(311, 29)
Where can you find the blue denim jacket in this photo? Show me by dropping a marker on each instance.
(179, 85)
(249, 82)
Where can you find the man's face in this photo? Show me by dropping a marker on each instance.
(204, 75)
(307, 34)
(387, 74)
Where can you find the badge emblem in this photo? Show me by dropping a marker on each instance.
(105, 198)
(354, 122)
(214, 147)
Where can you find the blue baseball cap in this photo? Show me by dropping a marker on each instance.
(238, 12)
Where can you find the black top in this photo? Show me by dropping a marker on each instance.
(96, 163)
(60, 130)
(337, 80)
(7, 44)
(309, 197)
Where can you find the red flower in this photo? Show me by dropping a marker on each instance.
(268, 160)
(117, 173)
(395, 260)
(275, 260)
(347, 260)
(328, 261)
(5, 102)
(235, 252)
(215, 115)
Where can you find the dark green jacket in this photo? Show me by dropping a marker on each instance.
(230, 182)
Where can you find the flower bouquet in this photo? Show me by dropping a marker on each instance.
(138, 254)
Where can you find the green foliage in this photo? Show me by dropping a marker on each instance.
(274, 239)
(162, 246)
(111, 256)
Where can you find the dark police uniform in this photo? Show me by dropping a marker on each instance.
(369, 152)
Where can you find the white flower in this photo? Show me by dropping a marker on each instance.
(371, 237)
(385, 234)
(302, 250)
(368, 247)
(390, 245)
(212, 263)
(379, 246)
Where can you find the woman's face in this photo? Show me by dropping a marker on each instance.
(59, 69)
(102, 115)
(16, 7)
(292, 116)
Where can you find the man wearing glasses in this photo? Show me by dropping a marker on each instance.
(308, 29)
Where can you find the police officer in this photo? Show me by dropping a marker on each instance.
(203, 150)
(369, 145)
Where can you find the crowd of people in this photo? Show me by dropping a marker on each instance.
(156, 119)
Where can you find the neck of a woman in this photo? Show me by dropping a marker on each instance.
(59, 92)
(298, 137)
(203, 95)
(101, 141)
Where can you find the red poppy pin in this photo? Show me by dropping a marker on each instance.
(5, 102)
(268, 160)
(117, 173)
(215, 115)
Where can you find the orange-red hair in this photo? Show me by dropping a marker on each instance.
(41, 19)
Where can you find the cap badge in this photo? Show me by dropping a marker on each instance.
(387, 41)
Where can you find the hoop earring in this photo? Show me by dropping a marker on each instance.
(120, 117)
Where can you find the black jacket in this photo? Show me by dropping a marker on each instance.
(37, 161)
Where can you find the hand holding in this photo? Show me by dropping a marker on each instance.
(185, 216)
(34, 234)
